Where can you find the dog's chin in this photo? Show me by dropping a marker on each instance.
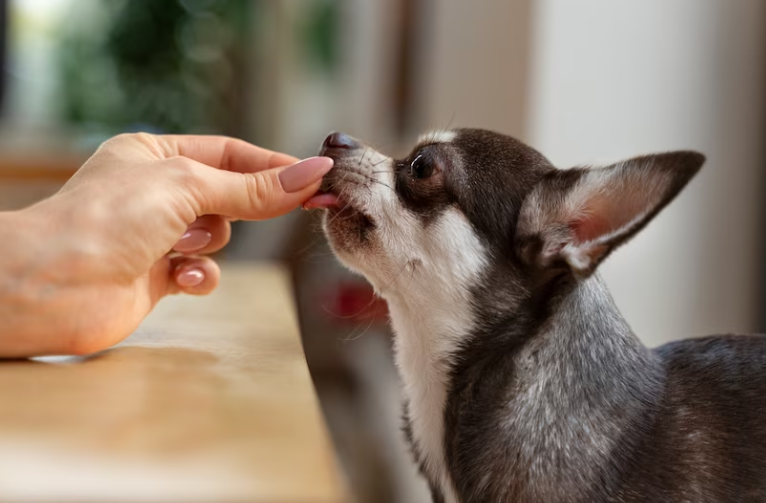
(348, 228)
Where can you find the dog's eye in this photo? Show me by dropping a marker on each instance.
(421, 167)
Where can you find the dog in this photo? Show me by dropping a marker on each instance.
(522, 380)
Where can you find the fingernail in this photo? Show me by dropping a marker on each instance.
(304, 173)
(193, 240)
(190, 277)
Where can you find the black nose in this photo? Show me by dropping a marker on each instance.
(340, 141)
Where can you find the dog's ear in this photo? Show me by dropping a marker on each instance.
(574, 218)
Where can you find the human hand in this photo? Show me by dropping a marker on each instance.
(92, 261)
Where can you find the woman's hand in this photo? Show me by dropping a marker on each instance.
(81, 270)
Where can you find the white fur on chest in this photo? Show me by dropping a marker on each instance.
(431, 315)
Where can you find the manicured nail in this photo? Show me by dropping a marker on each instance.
(193, 240)
(190, 277)
(304, 173)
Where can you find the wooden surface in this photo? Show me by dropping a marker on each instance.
(26, 178)
(23, 193)
(210, 400)
(30, 167)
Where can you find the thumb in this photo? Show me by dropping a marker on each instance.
(263, 194)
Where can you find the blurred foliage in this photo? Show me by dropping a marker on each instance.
(321, 33)
(172, 66)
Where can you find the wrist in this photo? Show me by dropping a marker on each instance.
(21, 296)
(19, 248)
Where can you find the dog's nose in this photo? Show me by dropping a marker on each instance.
(340, 141)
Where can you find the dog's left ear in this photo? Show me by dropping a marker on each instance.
(575, 218)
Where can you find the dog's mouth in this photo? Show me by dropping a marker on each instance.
(339, 209)
(322, 200)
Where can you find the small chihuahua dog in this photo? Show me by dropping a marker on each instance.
(522, 381)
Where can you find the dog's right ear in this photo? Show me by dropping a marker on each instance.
(575, 218)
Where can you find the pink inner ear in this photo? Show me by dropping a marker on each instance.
(594, 221)
(603, 215)
(589, 229)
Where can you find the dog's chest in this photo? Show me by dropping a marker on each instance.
(424, 346)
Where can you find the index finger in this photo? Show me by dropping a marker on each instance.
(229, 154)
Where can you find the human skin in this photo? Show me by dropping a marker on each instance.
(79, 271)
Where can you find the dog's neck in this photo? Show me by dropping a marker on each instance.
(583, 384)
(578, 380)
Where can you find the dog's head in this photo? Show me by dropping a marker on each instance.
(470, 206)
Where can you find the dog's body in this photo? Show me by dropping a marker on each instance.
(522, 380)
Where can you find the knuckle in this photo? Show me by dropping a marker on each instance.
(125, 138)
(148, 140)
(259, 189)
(184, 178)
(114, 142)
(120, 138)
(181, 169)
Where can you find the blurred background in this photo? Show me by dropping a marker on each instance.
(585, 82)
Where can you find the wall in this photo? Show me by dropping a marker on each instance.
(615, 79)
(473, 69)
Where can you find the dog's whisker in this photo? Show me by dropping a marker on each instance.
(379, 182)
(361, 158)
(379, 162)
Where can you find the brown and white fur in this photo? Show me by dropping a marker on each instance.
(522, 380)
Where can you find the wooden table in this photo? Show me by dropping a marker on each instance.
(27, 177)
(210, 400)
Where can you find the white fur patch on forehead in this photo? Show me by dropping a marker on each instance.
(438, 136)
